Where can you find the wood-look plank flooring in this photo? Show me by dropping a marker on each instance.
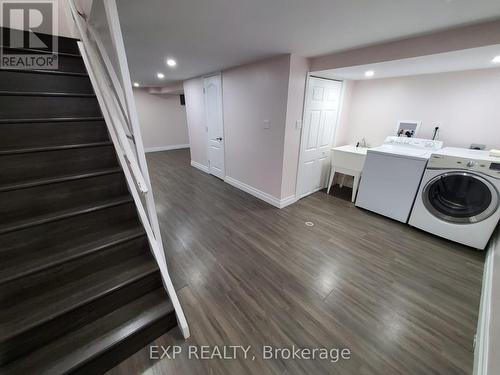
(403, 301)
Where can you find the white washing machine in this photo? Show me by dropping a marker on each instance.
(391, 175)
(459, 196)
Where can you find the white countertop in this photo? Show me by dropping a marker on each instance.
(351, 148)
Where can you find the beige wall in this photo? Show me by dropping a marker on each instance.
(195, 111)
(162, 119)
(252, 94)
(466, 104)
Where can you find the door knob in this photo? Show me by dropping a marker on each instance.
(218, 139)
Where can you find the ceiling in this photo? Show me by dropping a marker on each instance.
(468, 59)
(209, 35)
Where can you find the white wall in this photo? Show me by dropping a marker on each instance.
(163, 121)
(465, 103)
(195, 109)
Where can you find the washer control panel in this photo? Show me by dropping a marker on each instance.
(452, 162)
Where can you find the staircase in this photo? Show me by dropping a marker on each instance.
(79, 288)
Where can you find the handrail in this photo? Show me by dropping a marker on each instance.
(118, 108)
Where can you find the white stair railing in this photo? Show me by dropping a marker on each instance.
(118, 107)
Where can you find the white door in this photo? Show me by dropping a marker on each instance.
(212, 88)
(320, 119)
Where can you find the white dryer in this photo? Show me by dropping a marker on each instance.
(459, 196)
(391, 175)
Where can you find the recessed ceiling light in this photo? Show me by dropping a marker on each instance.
(171, 62)
(136, 84)
(369, 73)
(160, 75)
(496, 59)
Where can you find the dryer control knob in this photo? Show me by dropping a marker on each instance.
(471, 163)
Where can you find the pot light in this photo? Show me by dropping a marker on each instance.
(160, 75)
(171, 62)
(136, 84)
(496, 60)
(369, 73)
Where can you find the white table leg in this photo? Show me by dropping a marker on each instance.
(355, 187)
(342, 180)
(330, 180)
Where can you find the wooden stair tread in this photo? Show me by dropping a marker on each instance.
(46, 71)
(37, 93)
(56, 179)
(23, 314)
(42, 52)
(15, 265)
(77, 348)
(12, 150)
(51, 119)
(64, 214)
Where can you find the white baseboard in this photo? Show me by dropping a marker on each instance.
(483, 325)
(200, 166)
(268, 198)
(288, 201)
(165, 148)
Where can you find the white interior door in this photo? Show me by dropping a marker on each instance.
(212, 88)
(320, 120)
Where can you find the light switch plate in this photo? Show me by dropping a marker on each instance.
(267, 124)
(298, 124)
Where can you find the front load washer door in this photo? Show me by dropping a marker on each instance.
(460, 197)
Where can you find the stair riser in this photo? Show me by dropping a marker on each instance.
(34, 338)
(36, 165)
(65, 45)
(47, 236)
(25, 135)
(39, 82)
(32, 107)
(24, 204)
(64, 64)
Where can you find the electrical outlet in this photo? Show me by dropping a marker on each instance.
(267, 124)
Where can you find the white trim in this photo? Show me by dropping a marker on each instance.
(268, 198)
(200, 166)
(166, 148)
(288, 201)
(483, 324)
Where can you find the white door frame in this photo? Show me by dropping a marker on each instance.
(219, 74)
(305, 107)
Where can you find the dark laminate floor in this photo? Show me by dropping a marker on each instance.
(404, 302)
